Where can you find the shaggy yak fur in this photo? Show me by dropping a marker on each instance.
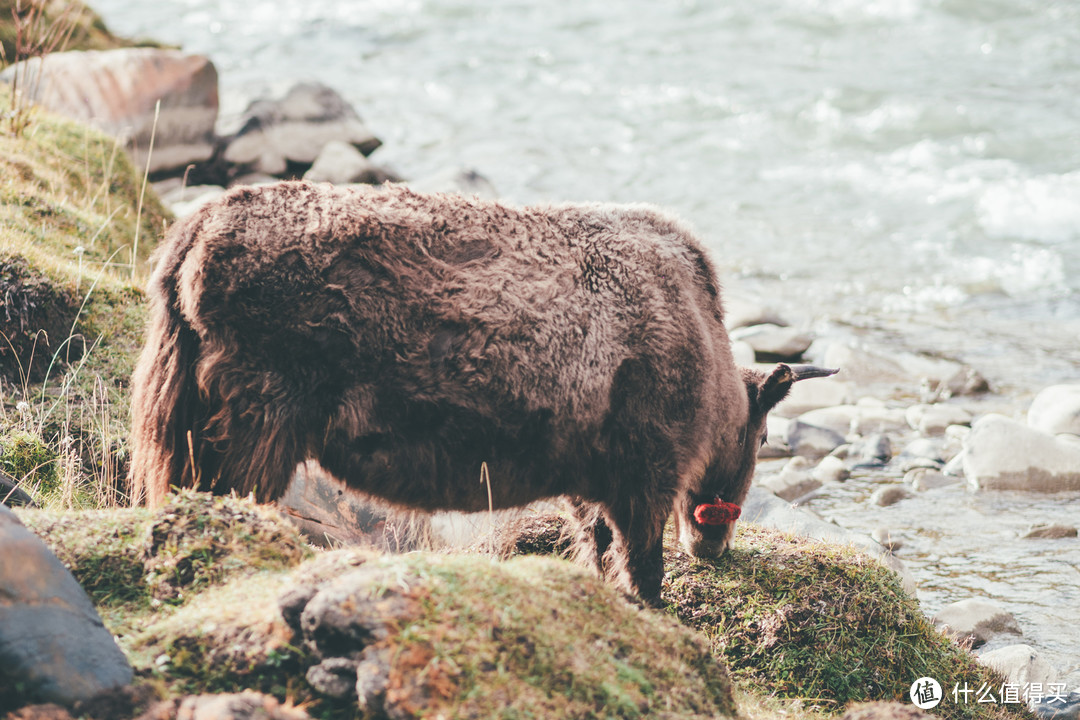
(402, 340)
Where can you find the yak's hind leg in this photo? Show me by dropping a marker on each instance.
(591, 536)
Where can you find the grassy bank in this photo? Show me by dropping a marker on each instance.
(74, 243)
(825, 623)
(73, 22)
(202, 595)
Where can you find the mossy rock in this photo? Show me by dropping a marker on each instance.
(441, 635)
(804, 619)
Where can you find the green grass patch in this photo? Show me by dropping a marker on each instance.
(133, 562)
(74, 313)
(219, 595)
(819, 622)
(88, 33)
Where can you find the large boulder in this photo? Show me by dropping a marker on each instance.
(340, 163)
(294, 130)
(1056, 410)
(976, 620)
(773, 342)
(117, 91)
(1020, 664)
(1004, 454)
(53, 645)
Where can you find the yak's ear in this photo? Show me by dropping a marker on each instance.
(777, 384)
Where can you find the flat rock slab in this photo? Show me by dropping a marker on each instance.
(1056, 410)
(117, 91)
(52, 641)
(1004, 454)
(976, 620)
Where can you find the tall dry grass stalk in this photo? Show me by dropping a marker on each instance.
(142, 191)
(36, 36)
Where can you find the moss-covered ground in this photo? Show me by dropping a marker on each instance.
(820, 622)
(195, 593)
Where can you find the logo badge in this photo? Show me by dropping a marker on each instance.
(925, 693)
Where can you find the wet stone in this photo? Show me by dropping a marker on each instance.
(890, 495)
(1050, 532)
(976, 620)
(831, 469)
(812, 440)
(1051, 709)
(923, 479)
(872, 451)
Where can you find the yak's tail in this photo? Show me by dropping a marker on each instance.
(167, 412)
(200, 416)
(166, 409)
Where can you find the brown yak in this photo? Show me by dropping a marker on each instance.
(403, 340)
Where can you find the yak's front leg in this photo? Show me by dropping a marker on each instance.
(635, 559)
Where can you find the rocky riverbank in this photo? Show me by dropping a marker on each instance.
(895, 429)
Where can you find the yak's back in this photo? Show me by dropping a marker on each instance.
(444, 294)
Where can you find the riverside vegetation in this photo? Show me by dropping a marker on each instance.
(196, 592)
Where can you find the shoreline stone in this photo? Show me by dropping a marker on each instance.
(1020, 664)
(976, 620)
(1056, 410)
(294, 129)
(1004, 454)
(51, 637)
(117, 91)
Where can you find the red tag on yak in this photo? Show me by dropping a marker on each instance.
(717, 513)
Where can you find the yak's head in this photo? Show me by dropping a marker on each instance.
(706, 515)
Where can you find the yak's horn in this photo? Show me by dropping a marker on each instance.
(805, 372)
